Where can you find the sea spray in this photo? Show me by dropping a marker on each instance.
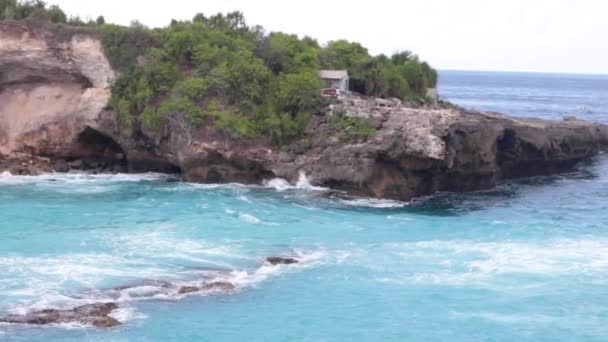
(303, 183)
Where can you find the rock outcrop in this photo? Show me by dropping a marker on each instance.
(281, 261)
(419, 151)
(97, 315)
(55, 84)
(100, 314)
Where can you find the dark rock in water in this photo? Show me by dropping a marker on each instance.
(92, 314)
(219, 285)
(281, 261)
(188, 289)
(215, 286)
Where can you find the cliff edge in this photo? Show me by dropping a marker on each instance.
(55, 86)
(54, 83)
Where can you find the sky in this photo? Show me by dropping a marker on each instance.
(567, 36)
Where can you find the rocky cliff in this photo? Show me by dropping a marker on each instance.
(55, 84)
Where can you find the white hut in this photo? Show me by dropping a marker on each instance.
(335, 79)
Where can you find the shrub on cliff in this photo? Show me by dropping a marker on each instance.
(123, 45)
(219, 70)
(352, 128)
(13, 9)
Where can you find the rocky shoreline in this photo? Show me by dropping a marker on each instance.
(55, 87)
(99, 315)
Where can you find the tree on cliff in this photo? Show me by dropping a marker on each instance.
(220, 70)
(13, 9)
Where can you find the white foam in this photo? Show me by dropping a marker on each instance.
(126, 314)
(249, 218)
(374, 203)
(83, 178)
(5, 174)
(159, 243)
(278, 184)
(303, 183)
(458, 262)
(47, 293)
(245, 199)
(244, 278)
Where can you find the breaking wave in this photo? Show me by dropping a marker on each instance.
(303, 183)
(480, 263)
(131, 278)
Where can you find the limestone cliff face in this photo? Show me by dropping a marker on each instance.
(54, 83)
(419, 151)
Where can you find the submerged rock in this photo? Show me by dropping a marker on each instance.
(219, 286)
(188, 289)
(97, 315)
(222, 286)
(281, 261)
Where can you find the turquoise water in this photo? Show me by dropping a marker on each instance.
(527, 261)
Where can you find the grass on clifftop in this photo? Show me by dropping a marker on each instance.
(219, 70)
(352, 129)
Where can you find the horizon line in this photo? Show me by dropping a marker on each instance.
(524, 72)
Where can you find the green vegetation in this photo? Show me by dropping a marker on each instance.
(219, 71)
(352, 128)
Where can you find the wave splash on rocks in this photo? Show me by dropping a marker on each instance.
(104, 304)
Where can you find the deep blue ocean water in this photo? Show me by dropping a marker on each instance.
(527, 261)
(541, 95)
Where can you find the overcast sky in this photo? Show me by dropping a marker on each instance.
(509, 35)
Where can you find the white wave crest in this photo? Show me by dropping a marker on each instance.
(249, 218)
(467, 262)
(83, 178)
(374, 203)
(50, 296)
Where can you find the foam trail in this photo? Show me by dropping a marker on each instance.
(170, 286)
(461, 262)
(83, 178)
(374, 203)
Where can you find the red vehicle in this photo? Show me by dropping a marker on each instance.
(331, 92)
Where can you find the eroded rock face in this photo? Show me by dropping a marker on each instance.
(54, 83)
(421, 150)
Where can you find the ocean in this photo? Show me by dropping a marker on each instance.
(527, 261)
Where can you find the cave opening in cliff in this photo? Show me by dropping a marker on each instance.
(100, 151)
